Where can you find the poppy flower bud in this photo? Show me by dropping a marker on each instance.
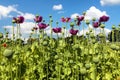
(71, 24)
(101, 35)
(87, 22)
(94, 19)
(87, 66)
(102, 26)
(92, 35)
(87, 33)
(45, 43)
(96, 59)
(113, 27)
(84, 13)
(83, 71)
(113, 46)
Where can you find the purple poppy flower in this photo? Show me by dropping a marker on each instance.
(67, 19)
(103, 18)
(20, 19)
(80, 18)
(57, 30)
(73, 32)
(38, 19)
(96, 24)
(42, 25)
(14, 20)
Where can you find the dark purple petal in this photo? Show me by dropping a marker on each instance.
(68, 19)
(42, 25)
(63, 19)
(38, 19)
(103, 18)
(80, 18)
(95, 24)
(73, 32)
(20, 19)
(57, 30)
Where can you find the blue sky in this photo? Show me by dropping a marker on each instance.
(57, 8)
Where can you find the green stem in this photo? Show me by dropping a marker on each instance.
(10, 63)
(112, 36)
(13, 31)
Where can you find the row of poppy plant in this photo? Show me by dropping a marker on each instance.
(41, 25)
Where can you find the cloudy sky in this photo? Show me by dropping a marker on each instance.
(56, 8)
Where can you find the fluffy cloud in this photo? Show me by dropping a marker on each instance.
(109, 2)
(57, 7)
(74, 15)
(93, 12)
(6, 10)
(28, 16)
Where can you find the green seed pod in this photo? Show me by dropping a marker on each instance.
(45, 43)
(94, 19)
(87, 22)
(87, 33)
(83, 71)
(101, 35)
(8, 53)
(93, 41)
(113, 27)
(95, 59)
(87, 66)
(92, 35)
(113, 46)
(117, 47)
(102, 25)
(71, 24)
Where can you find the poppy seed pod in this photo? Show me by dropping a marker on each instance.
(96, 59)
(71, 24)
(45, 43)
(113, 27)
(87, 33)
(8, 53)
(102, 25)
(92, 35)
(87, 22)
(101, 35)
(87, 66)
(113, 46)
(83, 71)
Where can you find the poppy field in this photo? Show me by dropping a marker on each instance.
(89, 56)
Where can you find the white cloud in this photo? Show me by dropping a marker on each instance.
(74, 15)
(110, 2)
(93, 12)
(25, 28)
(57, 7)
(5, 11)
(28, 16)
